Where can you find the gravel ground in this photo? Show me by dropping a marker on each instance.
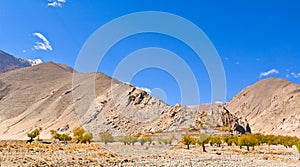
(117, 154)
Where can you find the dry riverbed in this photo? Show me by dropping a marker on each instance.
(18, 153)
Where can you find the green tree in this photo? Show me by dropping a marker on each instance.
(35, 133)
(229, 140)
(80, 135)
(106, 137)
(133, 140)
(216, 140)
(124, 140)
(127, 140)
(188, 140)
(202, 140)
(247, 140)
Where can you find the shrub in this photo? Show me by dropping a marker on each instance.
(169, 140)
(159, 131)
(188, 140)
(202, 140)
(106, 137)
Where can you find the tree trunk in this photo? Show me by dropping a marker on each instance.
(203, 148)
(188, 146)
(248, 148)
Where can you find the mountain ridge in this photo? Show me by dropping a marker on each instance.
(271, 105)
(9, 62)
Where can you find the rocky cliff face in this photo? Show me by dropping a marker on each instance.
(271, 106)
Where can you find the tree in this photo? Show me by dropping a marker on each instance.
(124, 140)
(216, 140)
(188, 140)
(248, 140)
(33, 134)
(142, 140)
(61, 137)
(87, 137)
(228, 140)
(80, 135)
(202, 140)
(106, 137)
(64, 137)
(127, 140)
(132, 140)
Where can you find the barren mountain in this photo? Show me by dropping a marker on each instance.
(271, 106)
(9, 62)
(44, 96)
(55, 97)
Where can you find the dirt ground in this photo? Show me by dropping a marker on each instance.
(18, 153)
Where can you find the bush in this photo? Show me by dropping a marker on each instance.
(188, 140)
(106, 137)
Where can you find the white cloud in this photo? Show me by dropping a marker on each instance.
(267, 73)
(56, 3)
(295, 75)
(44, 45)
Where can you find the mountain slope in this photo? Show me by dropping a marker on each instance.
(271, 106)
(43, 96)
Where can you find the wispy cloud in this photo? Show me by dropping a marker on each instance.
(56, 3)
(295, 75)
(44, 45)
(267, 73)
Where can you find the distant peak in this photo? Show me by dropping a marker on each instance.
(35, 62)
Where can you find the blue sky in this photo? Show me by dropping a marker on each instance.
(254, 39)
